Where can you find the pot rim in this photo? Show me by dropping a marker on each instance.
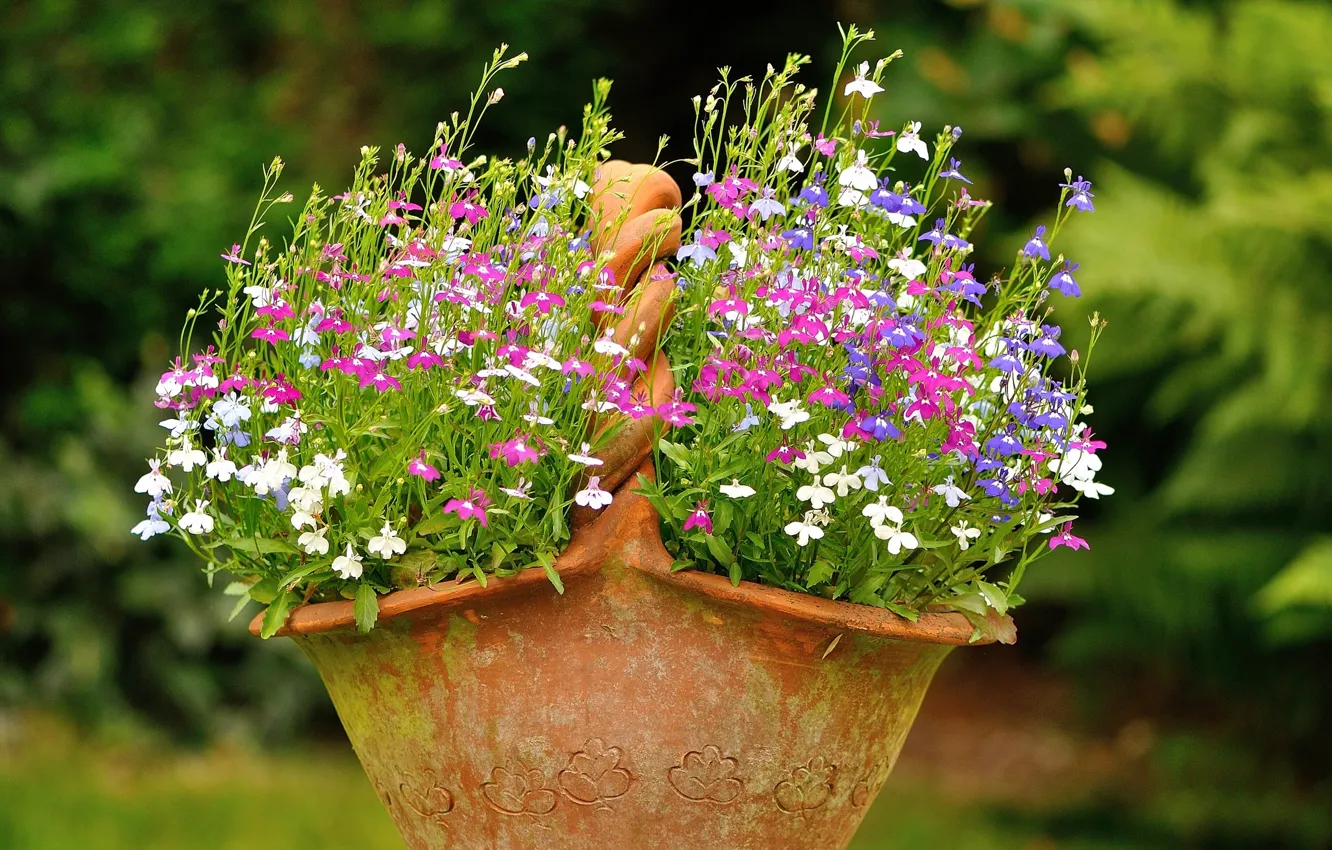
(632, 523)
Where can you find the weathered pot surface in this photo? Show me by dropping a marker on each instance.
(640, 709)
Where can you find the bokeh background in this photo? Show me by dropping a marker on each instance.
(1170, 689)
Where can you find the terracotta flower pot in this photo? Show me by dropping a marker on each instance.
(639, 709)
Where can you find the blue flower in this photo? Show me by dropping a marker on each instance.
(800, 238)
(1063, 282)
(703, 179)
(1080, 194)
(1036, 246)
(1003, 445)
(696, 251)
(936, 235)
(814, 194)
(953, 165)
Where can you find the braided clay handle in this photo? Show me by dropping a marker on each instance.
(636, 218)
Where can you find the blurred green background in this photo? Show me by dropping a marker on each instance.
(1170, 689)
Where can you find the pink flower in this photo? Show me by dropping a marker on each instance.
(515, 451)
(784, 454)
(424, 359)
(676, 412)
(233, 256)
(1066, 538)
(603, 307)
(474, 506)
(544, 301)
(270, 335)
(468, 210)
(827, 147)
(418, 466)
(379, 379)
(699, 518)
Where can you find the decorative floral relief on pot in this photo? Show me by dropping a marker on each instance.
(706, 776)
(869, 783)
(516, 789)
(422, 793)
(594, 776)
(810, 786)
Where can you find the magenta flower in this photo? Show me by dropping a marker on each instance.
(676, 411)
(544, 301)
(425, 359)
(784, 454)
(468, 210)
(233, 256)
(474, 506)
(699, 518)
(270, 335)
(515, 451)
(418, 466)
(1067, 538)
(603, 307)
(379, 379)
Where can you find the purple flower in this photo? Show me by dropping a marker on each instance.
(1047, 343)
(1036, 246)
(814, 194)
(767, 206)
(696, 251)
(800, 238)
(1003, 445)
(703, 179)
(1063, 281)
(1080, 194)
(953, 165)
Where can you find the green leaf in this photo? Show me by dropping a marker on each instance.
(719, 550)
(903, 611)
(433, 524)
(548, 563)
(264, 591)
(995, 596)
(819, 573)
(678, 454)
(277, 614)
(259, 546)
(1304, 582)
(366, 608)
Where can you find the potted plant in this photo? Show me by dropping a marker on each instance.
(408, 439)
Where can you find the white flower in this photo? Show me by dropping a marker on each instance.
(305, 499)
(816, 494)
(272, 474)
(790, 413)
(910, 141)
(813, 460)
(153, 482)
(349, 565)
(472, 397)
(187, 456)
(790, 162)
(302, 519)
(534, 416)
(844, 481)
(953, 495)
(314, 542)
(1089, 488)
(736, 490)
(608, 345)
(386, 544)
(326, 473)
(804, 531)
(873, 475)
(836, 445)
(593, 496)
(857, 176)
(907, 267)
(896, 537)
(965, 534)
(861, 86)
(260, 296)
(196, 521)
(880, 512)
(519, 490)
(179, 427)
(153, 525)
(221, 468)
(231, 409)
(584, 457)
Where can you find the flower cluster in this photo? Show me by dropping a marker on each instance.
(402, 393)
(868, 419)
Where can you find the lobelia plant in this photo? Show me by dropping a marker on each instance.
(403, 392)
(859, 416)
